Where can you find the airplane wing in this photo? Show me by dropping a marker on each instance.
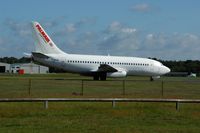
(40, 55)
(106, 68)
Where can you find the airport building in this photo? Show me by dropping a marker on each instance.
(4, 67)
(28, 68)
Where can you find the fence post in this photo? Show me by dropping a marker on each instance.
(113, 103)
(123, 87)
(177, 105)
(29, 87)
(82, 85)
(162, 87)
(46, 104)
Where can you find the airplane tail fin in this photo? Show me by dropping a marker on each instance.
(43, 42)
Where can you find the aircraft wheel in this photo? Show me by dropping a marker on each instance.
(103, 76)
(151, 79)
(96, 77)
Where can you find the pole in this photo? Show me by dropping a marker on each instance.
(82, 85)
(113, 103)
(29, 87)
(177, 105)
(124, 87)
(162, 91)
(46, 104)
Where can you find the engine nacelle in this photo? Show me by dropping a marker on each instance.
(119, 74)
(155, 77)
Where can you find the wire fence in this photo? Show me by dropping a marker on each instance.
(14, 88)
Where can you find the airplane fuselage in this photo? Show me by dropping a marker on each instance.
(86, 64)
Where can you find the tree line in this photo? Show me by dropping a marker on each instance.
(190, 66)
(12, 60)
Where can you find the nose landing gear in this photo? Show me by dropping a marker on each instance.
(152, 78)
(100, 76)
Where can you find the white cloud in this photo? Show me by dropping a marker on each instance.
(116, 26)
(21, 29)
(171, 46)
(129, 30)
(117, 39)
(50, 24)
(149, 36)
(144, 7)
(155, 40)
(70, 28)
(17, 38)
(85, 21)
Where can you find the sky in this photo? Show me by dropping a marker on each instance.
(163, 29)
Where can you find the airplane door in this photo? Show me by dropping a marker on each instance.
(151, 68)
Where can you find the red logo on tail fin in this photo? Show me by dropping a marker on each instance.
(46, 38)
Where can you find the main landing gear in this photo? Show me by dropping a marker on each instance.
(100, 76)
(151, 78)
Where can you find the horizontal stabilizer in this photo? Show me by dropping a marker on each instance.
(27, 55)
(39, 55)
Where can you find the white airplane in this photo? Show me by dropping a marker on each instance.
(100, 67)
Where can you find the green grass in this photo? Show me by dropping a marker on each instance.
(98, 117)
(70, 85)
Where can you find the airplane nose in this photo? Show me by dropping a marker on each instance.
(164, 70)
(167, 70)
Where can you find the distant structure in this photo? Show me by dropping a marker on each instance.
(28, 68)
(177, 74)
(4, 67)
(192, 75)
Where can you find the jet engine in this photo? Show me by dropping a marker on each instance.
(118, 74)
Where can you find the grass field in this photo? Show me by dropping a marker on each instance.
(98, 117)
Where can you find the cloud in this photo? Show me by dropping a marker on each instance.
(51, 24)
(70, 28)
(17, 38)
(170, 46)
(2, 45)
(18, 28)
(116, 26)
(119, 37)
(116, 39)
(84, 21)
(66, 29)
(143, 8)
